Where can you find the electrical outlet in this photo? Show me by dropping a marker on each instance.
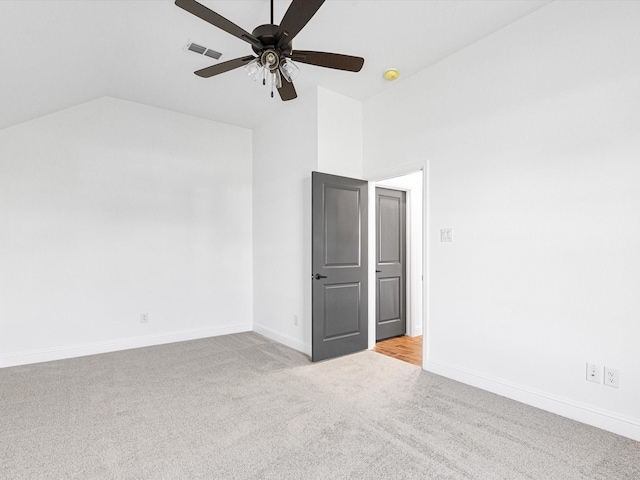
(295, 320)
(144, 318)
(612, 377)
(593, 372)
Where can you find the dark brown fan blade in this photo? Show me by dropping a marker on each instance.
(298, 15)
(217, 20)
(224, 67)
(287, 91)
(329, 60)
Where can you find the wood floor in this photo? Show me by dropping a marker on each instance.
(408, 349)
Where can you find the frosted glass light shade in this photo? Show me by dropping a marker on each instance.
(289, 70)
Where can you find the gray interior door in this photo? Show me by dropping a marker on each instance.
(339, 232)
(391, 319)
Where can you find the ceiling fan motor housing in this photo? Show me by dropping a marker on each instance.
(267, 36)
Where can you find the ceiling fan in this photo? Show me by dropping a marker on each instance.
(271, 44)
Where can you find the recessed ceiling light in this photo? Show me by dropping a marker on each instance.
(391, 74)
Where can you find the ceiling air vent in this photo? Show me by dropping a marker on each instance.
(212, 54)
(196, 48)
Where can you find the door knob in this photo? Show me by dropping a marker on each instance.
(317, 276)
(378, 271)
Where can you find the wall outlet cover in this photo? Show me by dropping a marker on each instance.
(612, 377)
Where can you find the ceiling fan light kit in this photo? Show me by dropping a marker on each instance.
(272, 46)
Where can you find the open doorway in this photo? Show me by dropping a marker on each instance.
(398, 305)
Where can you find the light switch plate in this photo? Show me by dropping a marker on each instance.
(446, 235)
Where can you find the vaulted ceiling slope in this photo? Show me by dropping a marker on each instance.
(56, 54)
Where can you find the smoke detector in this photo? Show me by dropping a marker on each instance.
(391, 74)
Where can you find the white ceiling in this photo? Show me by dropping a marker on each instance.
(58, 53)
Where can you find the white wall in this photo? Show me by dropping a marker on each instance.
(111, 209)
(322, 132)
(532, 141)
(339, 134)
(285, 154)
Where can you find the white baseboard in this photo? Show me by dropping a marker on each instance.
(285, 340)
(73, 351)
(612, 422)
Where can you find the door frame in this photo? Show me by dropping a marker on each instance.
(373, 180)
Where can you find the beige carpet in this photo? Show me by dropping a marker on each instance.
(241, 406)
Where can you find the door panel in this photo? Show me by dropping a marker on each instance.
(389, 291)
(342, 234)
(341, 310)
(390, 263)
(339, 292)
(390, 250)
